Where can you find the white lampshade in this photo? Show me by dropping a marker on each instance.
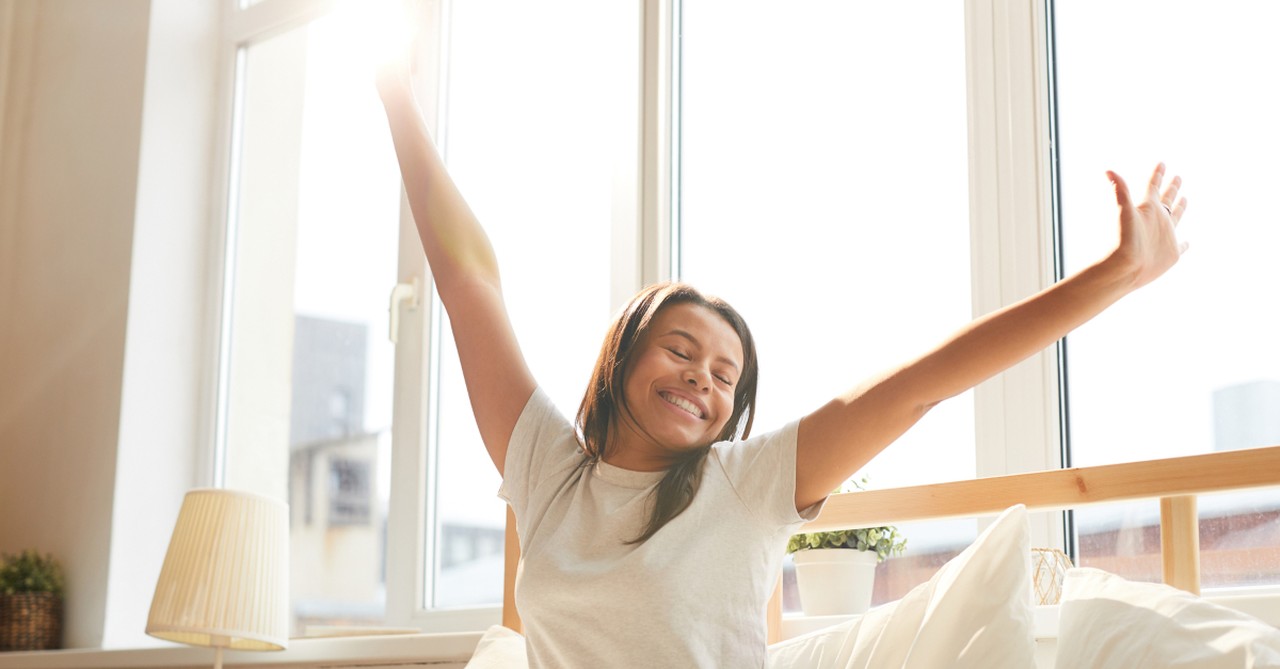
(225, 579)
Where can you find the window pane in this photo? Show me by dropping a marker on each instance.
(532, 142)
(824, 193)
(1189, 364)
(308, 406)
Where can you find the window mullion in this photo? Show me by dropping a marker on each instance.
(210, 459)
(411, 500)
(1012, 246)
(644, 256)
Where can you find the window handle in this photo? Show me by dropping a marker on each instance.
(403, 292)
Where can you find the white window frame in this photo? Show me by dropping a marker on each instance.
(1017, 415)
(407, 513)
(1018, 418)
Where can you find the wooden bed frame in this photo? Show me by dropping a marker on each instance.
(1175, 481)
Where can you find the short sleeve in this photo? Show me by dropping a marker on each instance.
(542, 443)
(762, 471)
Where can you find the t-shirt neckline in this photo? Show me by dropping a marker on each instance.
(626, 478)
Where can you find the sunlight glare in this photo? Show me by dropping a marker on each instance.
(377, 31)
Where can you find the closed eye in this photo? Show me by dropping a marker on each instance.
(679, 354)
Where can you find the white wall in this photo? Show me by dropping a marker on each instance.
(166, 341)
(101, 289)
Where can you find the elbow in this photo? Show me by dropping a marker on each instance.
(922, 409)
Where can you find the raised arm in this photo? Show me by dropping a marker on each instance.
(845, 434)
(464, 268)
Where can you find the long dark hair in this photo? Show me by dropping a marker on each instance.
(605, 402)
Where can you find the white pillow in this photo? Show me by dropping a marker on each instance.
(499, 648)
(975, 612)
(1107, 621)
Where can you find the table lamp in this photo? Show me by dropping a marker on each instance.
(225, 579)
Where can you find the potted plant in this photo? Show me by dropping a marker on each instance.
(30, 602)
(836, 571)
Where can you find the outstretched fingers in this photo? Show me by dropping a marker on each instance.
(1169, 200)
(1177, 210)
(1122, 190)
(1153, 186)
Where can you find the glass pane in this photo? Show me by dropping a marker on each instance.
(533, 143)
(804, 164)
(1189, 364)
(308, 405)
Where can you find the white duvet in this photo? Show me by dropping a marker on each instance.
(976, 612)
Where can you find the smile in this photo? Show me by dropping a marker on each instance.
(682, 403)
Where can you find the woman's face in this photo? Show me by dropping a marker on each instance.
(681, 380)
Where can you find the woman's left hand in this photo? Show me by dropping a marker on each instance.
(1149, 244)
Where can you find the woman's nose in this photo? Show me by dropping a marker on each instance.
(696, 378)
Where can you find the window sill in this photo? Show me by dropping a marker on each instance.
(447, 649)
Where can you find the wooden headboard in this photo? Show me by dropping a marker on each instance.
(1175, 481)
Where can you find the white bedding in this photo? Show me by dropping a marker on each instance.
(1108, 622)
(976, 612)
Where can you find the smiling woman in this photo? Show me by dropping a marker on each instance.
(681, 384)
(677, 372)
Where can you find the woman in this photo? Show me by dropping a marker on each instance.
(653, 529)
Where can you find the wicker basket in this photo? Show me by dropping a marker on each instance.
(30, 621)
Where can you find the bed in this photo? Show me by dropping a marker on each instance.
(1106, 621)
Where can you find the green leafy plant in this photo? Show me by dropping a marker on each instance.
(30, 571)
(885, 541)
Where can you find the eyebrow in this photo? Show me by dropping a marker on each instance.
(694, 340)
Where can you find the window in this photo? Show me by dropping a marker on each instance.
(539, 145)
(534, 143)
(307, 367)
(857, 180)
(1189, 365)
(804, 202)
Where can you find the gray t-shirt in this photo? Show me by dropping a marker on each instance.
(692, 595)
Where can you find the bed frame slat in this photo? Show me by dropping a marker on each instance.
(1175, 481)
(1053, 489)
(1180, 542)
(510, 568)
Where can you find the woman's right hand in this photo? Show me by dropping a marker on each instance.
(464, 267)
(1148, 244)
(395, 74)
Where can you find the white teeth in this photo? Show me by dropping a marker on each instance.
(683, 404)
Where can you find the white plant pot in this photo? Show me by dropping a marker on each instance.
(835, 581)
